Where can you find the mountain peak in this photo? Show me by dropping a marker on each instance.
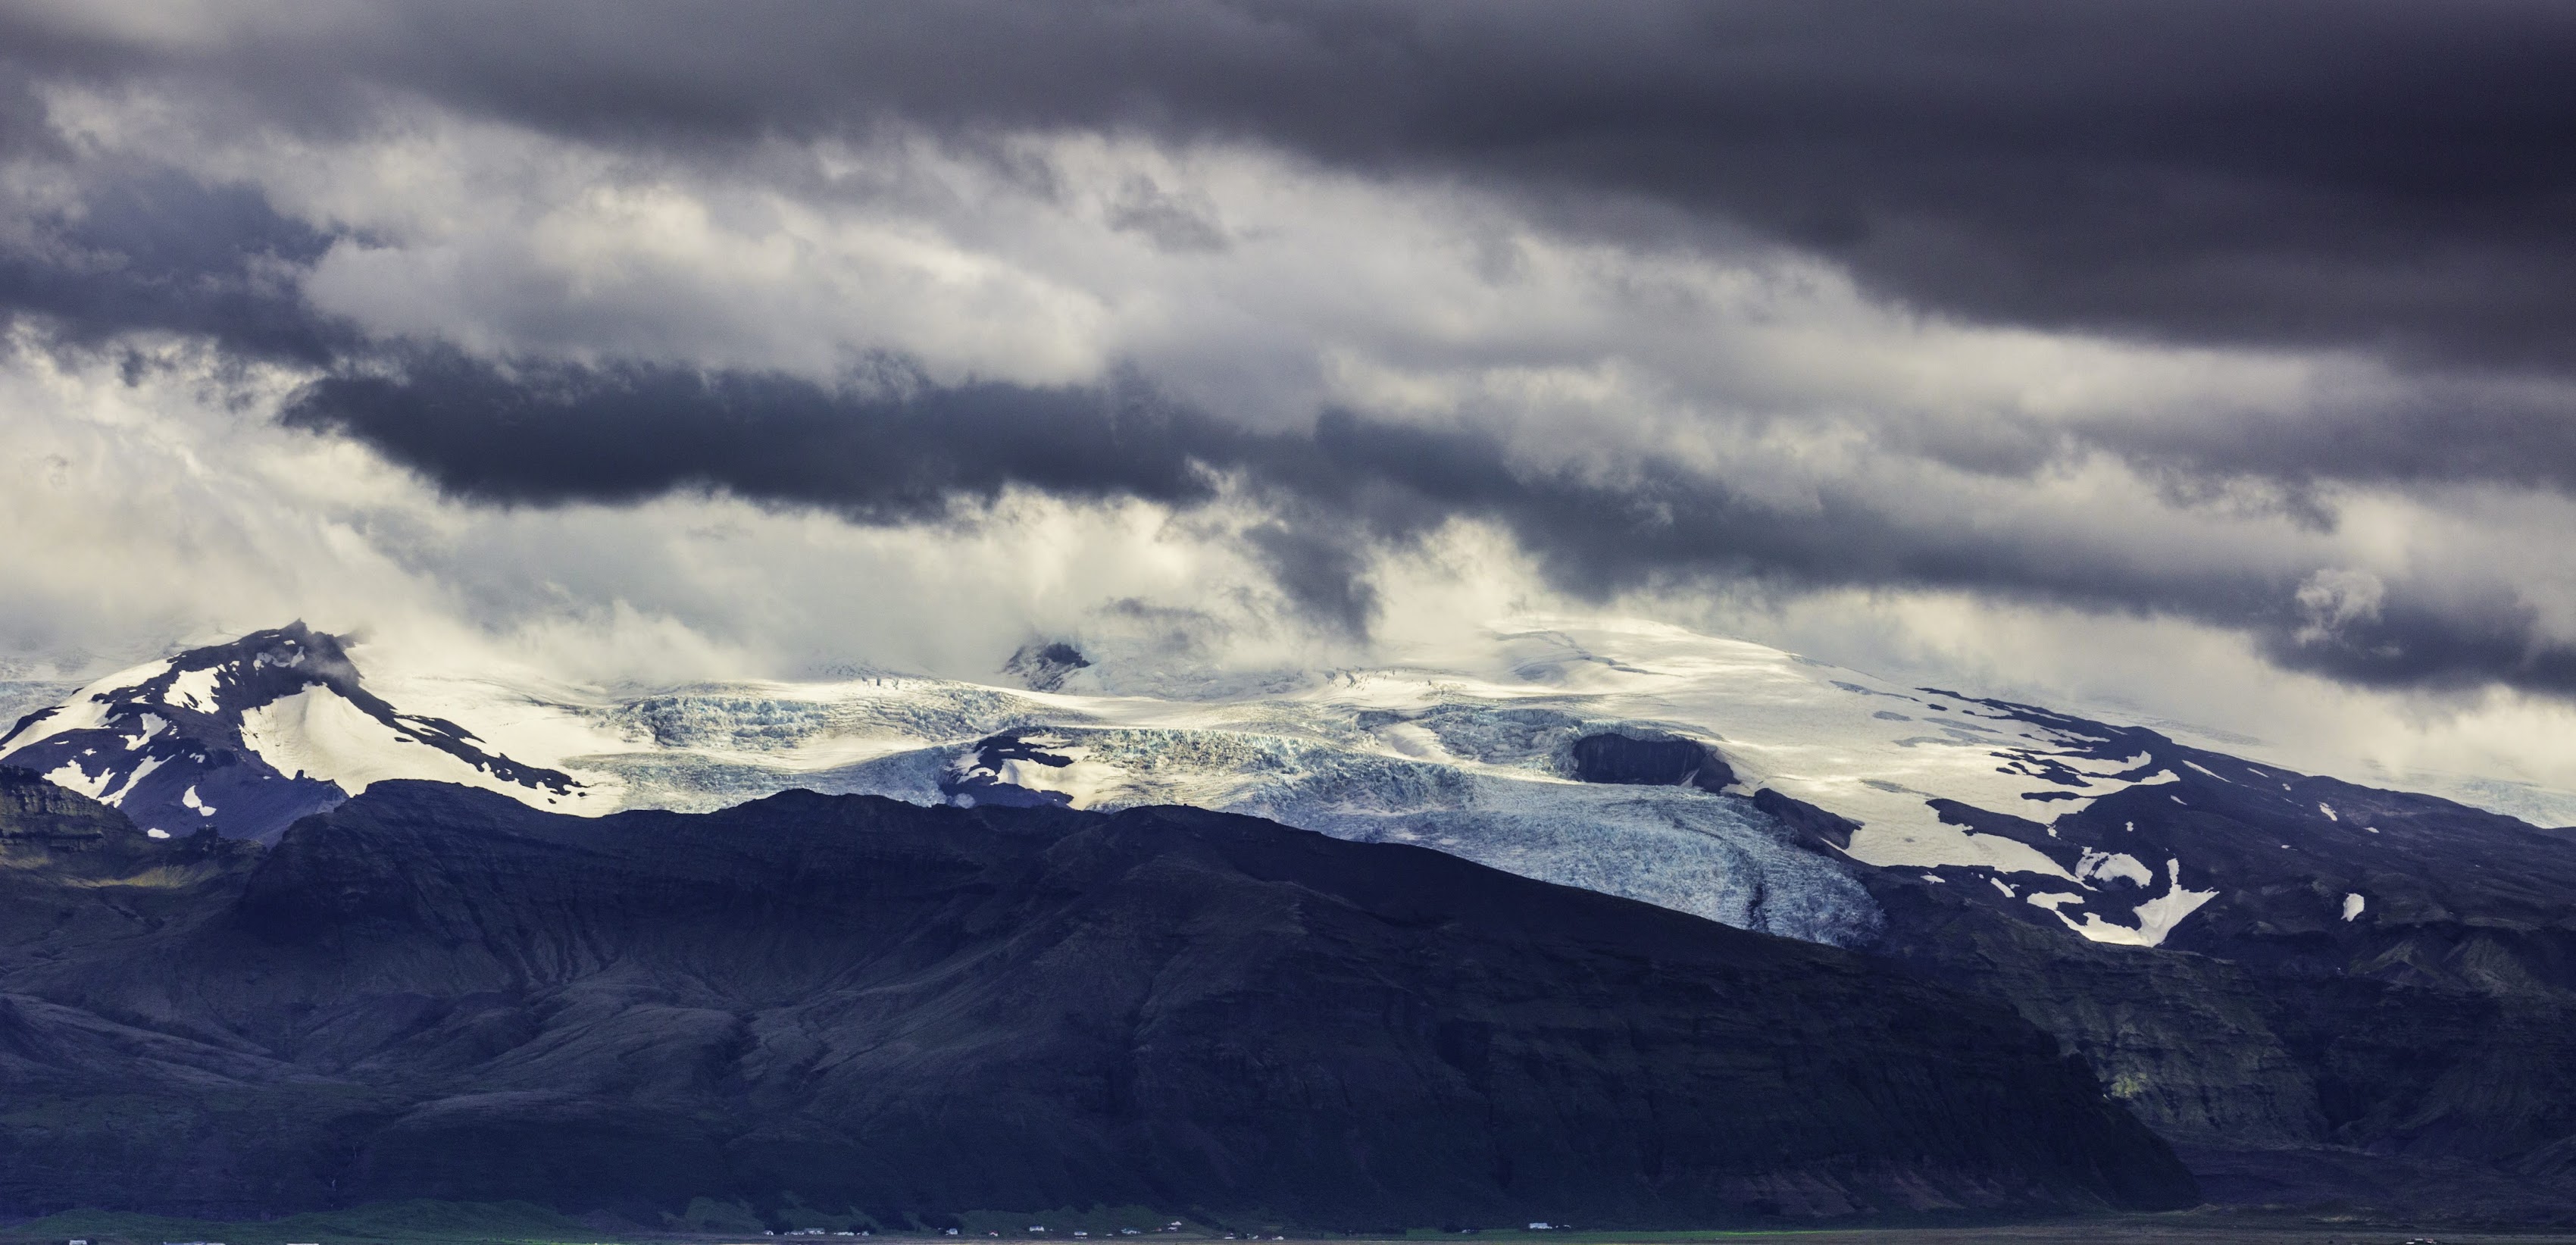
(248, 735)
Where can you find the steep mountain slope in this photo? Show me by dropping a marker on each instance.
(248, 736)
(2374, 1001)
(434, 991)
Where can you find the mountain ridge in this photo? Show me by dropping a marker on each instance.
(435, 991)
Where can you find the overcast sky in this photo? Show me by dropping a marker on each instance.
(2212, 361)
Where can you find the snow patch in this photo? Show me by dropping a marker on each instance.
(2157, 917)
(126, 680)
(69, 776)
(1086, 783)
(2103, 866)
(2352, 905)
(317, 733)
(153, 724)
(190, 799)
(1890, 849)
(192, 689)
(126, 788)
(84, 711)
(2328, 810)
(156, 832)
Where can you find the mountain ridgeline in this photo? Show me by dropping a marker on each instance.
(432, 991)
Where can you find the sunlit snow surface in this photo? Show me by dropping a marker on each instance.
(1466, 751)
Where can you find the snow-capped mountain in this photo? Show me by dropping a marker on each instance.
(2250, 959)
(1713, 776)
(2308, 984)
(246, 737)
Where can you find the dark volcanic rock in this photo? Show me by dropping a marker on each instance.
(983, 782)
(51, 838)
(1044, 667)
(853, 1002)
(1813, 826)
(36, 813)
(1615, 758)
(2378, 994)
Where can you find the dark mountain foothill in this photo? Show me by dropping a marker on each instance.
(2374, 1006)
(432, 991)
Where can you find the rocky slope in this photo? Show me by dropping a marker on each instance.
(2373, 1004)
(852, 1002)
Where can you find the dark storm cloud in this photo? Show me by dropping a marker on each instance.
(2432, 429)
(883, 453)
(2389, 179)
(152, 249)
(2459, 646)
(2385, 174)
(1321, 568)
(890, 450)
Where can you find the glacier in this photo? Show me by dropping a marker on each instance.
(1816, 774)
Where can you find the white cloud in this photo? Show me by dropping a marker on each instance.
(1256, 287)
(2334, 597)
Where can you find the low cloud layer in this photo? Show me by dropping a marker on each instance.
(891, 452)
(2242, 322)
